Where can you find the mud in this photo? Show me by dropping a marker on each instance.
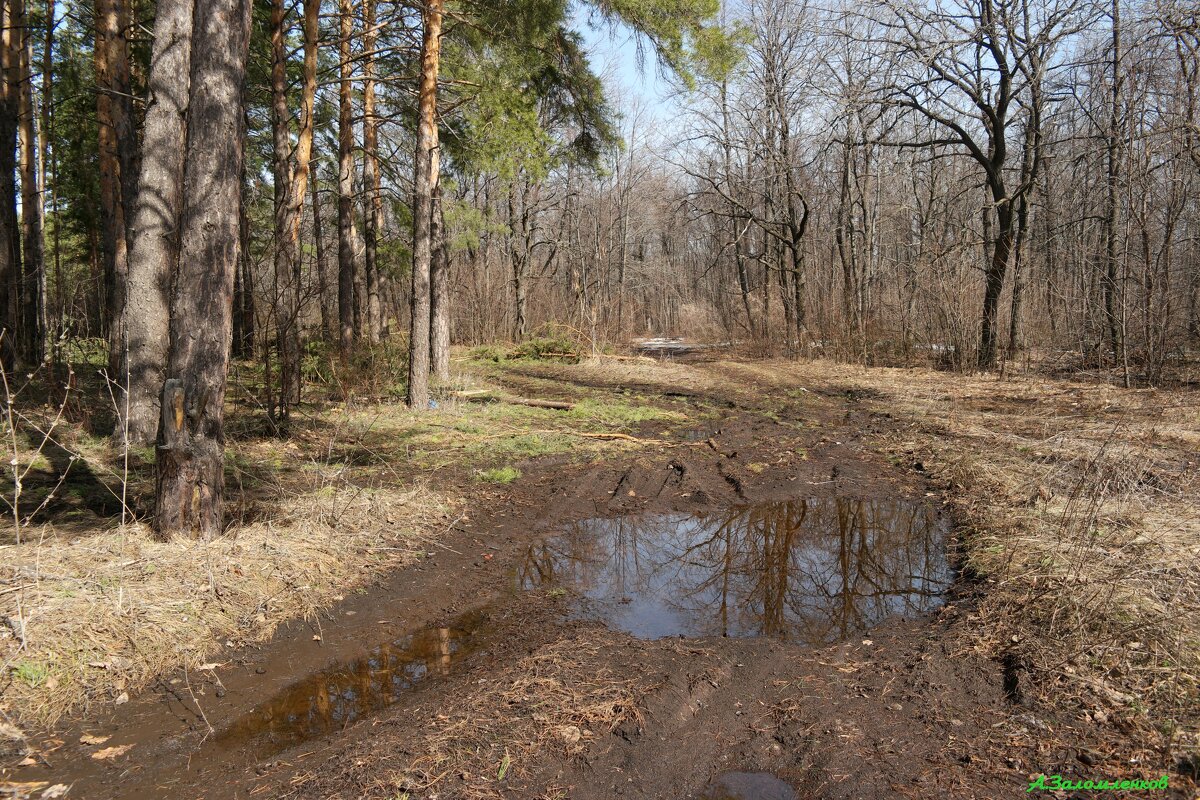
(844, 678)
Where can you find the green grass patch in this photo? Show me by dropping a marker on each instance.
(33, 673)
(523, 445)
(621, 414)
(494, 353)
(500, 475)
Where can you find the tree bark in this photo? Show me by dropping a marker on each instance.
(283, 302)
(10, 245)
(1112, 258)
(291, 190)
(425, 181)
(155, 246)
(373, 200)
(349, 271)
(191, 445)
(994, 281)
(49, 160)
(114, 120)
(326, 298)
(32, 336)
(439, 279)
(244, 320)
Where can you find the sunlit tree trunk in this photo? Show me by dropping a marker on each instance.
(32, 337)
(191, 444)
(425, 181)
(155, 223)
(439, 279)
(10, 243)
(373, 199)
(326, 297)
(49, 160)
(349, 269)
(114, 120)
(291, 190)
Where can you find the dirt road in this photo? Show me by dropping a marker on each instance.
(515, 661)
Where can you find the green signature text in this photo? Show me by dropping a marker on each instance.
(1057, 783)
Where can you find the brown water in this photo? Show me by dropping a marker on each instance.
(329, 700)
(747, 786)
(816, 570)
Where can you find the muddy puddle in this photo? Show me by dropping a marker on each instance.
(339, 695)
(747, 786)
(813, 570)
(808, 570)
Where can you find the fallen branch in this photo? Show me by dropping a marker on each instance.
(488, 396)
(614, 357)
(624, 437)
(558, 405)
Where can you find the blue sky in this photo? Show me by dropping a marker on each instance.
(613, 53)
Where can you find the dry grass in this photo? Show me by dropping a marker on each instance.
(93, 618)
(91, 614)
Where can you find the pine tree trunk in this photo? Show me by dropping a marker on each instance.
(244, 323)
(285, 293)
(154, 252)
(439, 305)
(425, 181)
(191, 445)
(49, 160)
(326, 298)
(10, 246)
(115, 153)
(32, 336)
(291, 190)
(373, 200)
(349, 272)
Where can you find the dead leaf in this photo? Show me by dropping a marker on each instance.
(210, 666)
(91, 738)
(57, 790)
(122, 699)
(21, 788)
(28, 761)
(112, 752)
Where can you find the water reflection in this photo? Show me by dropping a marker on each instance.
(329, 700)
(816, 570)
(747, 786)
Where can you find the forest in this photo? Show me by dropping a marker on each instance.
(867, 317)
